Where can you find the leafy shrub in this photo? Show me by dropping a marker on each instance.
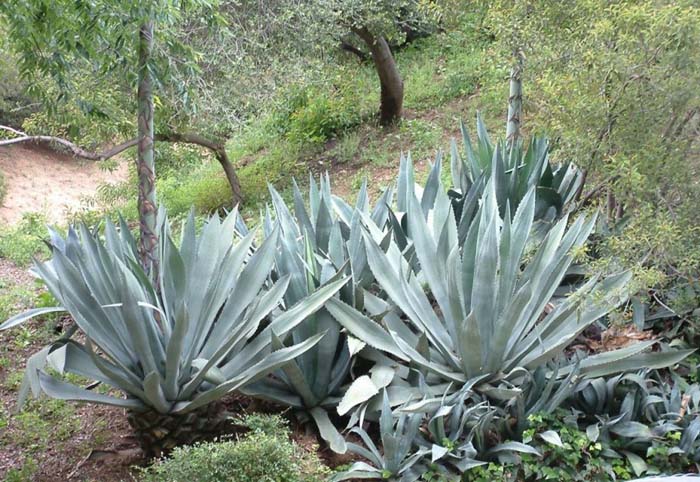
(206, 189)
(320, 117)
(280, 161)
(23, 241)
(269, 424)
(569, 453)
(265, 454)
(314, 113)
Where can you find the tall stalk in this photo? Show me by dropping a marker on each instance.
(146, 153)
(515, 100)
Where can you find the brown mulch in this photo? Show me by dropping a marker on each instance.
(613, 338)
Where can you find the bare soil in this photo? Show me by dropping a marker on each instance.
(40, 179)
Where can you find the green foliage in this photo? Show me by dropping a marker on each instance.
(205, 189)
(15, 105)
(265, 454)
(316, 116)
(100, 39)
(662, 251)
(24, 241)
(610, 84)
(42, 424)
(269, 424)
(578, 457)
(279, 162)
(346, 147)
(14, 298)
(444, 66)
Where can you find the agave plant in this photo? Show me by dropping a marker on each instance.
(514, 171)
(173, 346)
(484, 314)
(400, 460)
(316, 246)
(638, 407)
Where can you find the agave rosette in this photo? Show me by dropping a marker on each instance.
(204, 329)
(486, 314)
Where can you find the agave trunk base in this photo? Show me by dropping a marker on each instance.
(158, 434)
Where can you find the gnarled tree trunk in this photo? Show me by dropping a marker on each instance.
(148, 240)
(391, 106)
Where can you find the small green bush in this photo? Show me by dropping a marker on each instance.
(264, 455)
(281, 161)
(206, 189)
(312, 114)
(273, 425)
(23, 241)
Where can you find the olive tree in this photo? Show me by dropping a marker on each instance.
(371, 25)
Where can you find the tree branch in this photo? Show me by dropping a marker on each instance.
(348, 47)
(73, 148)
(595, 191)
(216, 146)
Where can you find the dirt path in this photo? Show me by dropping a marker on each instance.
(42, 180)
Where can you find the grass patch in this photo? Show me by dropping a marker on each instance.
(24, 474)
(347, 147)
(41, 424)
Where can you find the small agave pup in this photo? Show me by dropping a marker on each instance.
(400, 460)
(176, 347)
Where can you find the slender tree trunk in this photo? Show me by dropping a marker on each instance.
(515, 102)
(391, 106)
(146, 154)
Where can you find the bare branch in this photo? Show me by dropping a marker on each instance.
(216, 146)
(14, 131)
(593, 192)
(66, 144)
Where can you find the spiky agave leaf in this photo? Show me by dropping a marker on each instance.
(179, 345)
